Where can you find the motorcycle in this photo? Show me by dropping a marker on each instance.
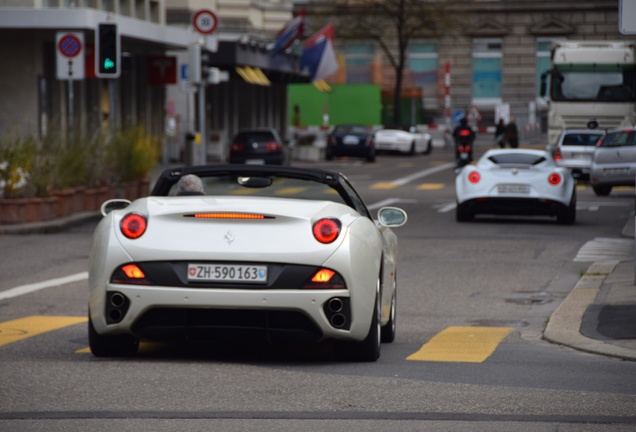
(464, 147)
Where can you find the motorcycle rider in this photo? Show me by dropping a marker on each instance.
(464, 137)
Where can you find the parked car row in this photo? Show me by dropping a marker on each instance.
(604, 158)
(264, 146)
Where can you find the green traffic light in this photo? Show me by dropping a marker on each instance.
(109, 64)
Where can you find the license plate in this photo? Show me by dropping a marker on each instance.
(582, 156)
(513, 189)
(227, 273)
(616, 171)
(255, 162)
(350, 140)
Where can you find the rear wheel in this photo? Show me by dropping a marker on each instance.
(602, 190)
(412, 149)
(111, 346)
(429, 148)
(462, 214)
(369, 349)
(388, 330)
(567, 216)
(371, 155)
(329, 153)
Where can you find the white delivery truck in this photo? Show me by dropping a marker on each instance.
(591, 84)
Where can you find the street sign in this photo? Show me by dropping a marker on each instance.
(70, 55)
(205, 21)
(627, 17)
(457, 116)
(473, 114)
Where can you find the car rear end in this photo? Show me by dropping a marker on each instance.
(258, 147)
(351, 140)
(393, 140)
(231, 268)
(614, 162)
(575, 150)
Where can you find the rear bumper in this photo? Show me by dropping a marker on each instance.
(514, 206)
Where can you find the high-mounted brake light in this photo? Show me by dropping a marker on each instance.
(554, 179)
(327, 230)
(227, 215)
(474, 177)
(133, 225)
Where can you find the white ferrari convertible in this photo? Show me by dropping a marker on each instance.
(516, 182)
(240, 252)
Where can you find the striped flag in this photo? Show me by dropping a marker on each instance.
(292, 31)
(319, 56)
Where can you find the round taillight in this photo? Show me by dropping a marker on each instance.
(554, 179)
(133, 225)
(326, 230)
(474, 177)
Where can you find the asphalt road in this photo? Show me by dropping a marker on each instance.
(503, 275)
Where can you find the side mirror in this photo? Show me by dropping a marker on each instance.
(113, 204)
(392, 216)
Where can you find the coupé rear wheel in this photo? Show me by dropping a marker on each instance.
(369, 349)
(462, 214)
(429, 148)
(111, 346)
(412, 149)
(602, 190)
(567, 216)
(388, 330)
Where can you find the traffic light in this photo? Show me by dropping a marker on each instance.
(107, 57)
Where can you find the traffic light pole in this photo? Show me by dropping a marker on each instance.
(202, 125)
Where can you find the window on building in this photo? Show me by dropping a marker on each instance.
(487, 60)
(423, 61)
(358, 61)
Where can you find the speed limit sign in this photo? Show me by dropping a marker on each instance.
(205, 21)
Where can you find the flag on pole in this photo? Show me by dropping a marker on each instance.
(292, 31)
(319, 57)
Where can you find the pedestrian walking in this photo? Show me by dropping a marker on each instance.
(512, 134)
(500, 129)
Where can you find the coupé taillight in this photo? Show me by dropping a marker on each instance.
(474, 177)
(325, 278)
(326, 230)
(237, 147)
(133, 225)
(554, 179)
(273, 146)
(129, 274)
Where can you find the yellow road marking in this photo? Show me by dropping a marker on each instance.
(18, 329)
(384, 186)
(580, 187)
(462, 344)
(405, 164)
(431, 186)
(289, 191)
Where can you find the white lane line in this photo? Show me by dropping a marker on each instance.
(418, 175)
(446, 208)
(29, 288)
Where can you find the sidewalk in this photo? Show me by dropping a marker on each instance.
(599, 314)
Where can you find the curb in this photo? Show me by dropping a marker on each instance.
(50, 226)
(564, 325)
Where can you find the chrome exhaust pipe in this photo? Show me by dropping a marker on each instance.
(338, 320)
(335, 305)
(117, 300)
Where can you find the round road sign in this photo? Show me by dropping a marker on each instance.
(205, 21)
(69, 45)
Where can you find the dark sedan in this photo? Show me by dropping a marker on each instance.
(351, 140)
(260, 146)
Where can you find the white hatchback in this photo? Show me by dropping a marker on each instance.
(575, 149)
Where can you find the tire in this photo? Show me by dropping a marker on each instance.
(388, 330)
(329, 153)
(371, 156)
(429, 148)
(369, 349)
(111, 346)
(602, 190)
(568, 215)
(462, 214)
(412, 149)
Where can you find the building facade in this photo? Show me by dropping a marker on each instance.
(152, 88)
(496, 57)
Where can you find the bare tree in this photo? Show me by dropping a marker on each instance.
(392, 24)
